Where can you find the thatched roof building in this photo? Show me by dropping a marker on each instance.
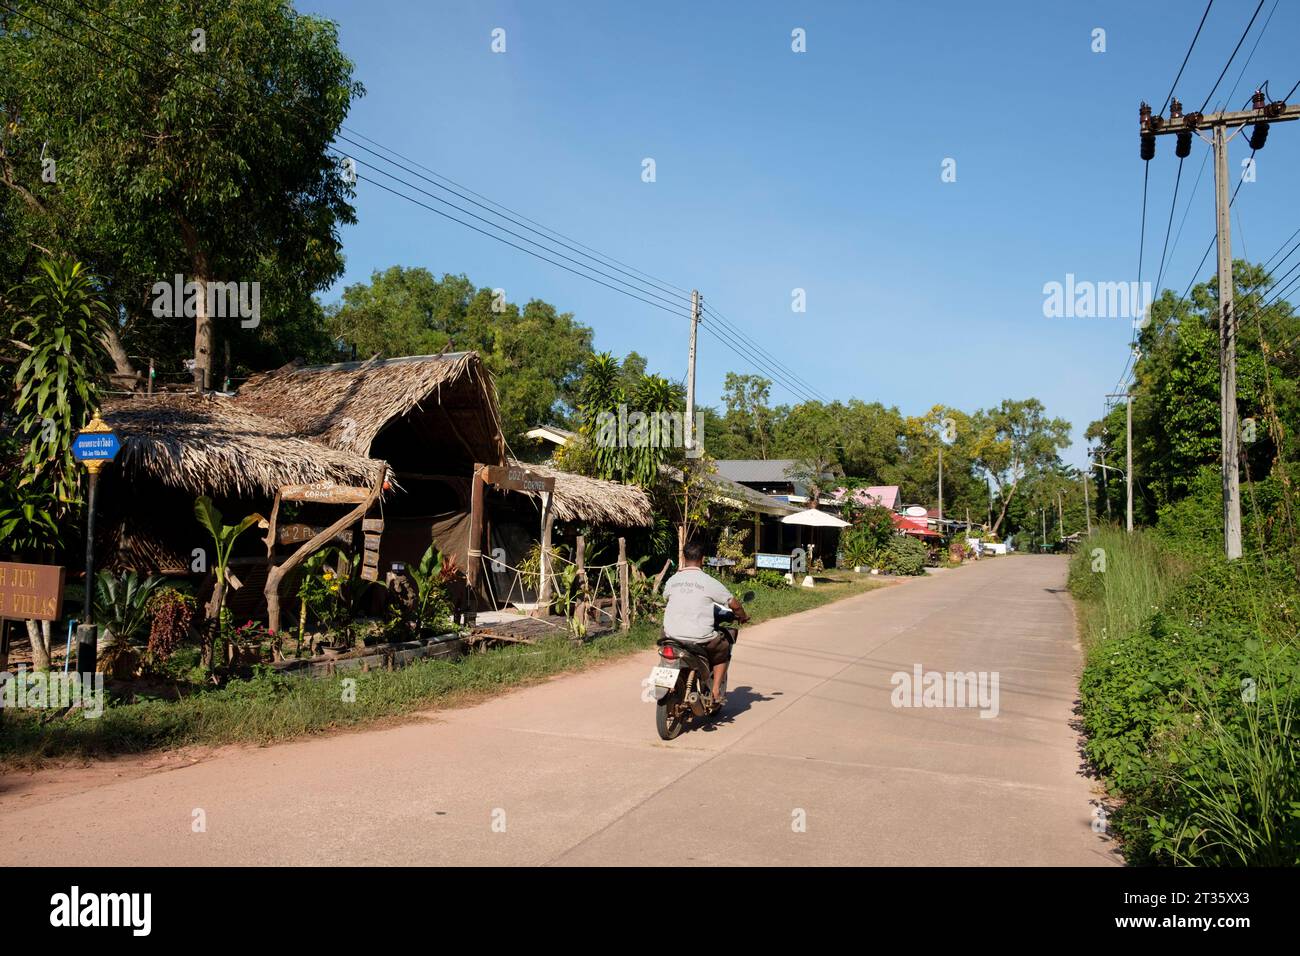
(421, 422)
(381, 408)
(578, 498)
(212, 445)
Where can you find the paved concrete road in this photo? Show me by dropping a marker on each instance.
(815, 766)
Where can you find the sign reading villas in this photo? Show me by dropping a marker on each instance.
(31, 592)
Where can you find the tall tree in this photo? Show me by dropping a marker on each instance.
(186, 139)
(535, 353)
(57, 319)
(748, 418)
(1014, 440)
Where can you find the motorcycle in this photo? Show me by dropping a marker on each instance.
(683, 680)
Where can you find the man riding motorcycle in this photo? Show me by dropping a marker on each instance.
(693, 596)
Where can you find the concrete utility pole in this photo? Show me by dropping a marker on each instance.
(1128, 450)
(1087, 510)
(941, 480)
(1128, 469)
(688, 430)
(1043, 514)
(1223, 127)
(1227, 352)
(1105, 485)
(1060, 515)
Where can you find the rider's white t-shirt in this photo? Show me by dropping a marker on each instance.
(691, 595)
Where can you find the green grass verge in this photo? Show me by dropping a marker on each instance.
(271, 708)
(1191, 697)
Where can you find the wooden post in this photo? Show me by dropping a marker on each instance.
(580, 549)
(474, 548)
(544, 584)
(624, 610)
(278, 573)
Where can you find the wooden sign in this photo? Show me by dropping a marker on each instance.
(370, 559)
(375, 525)
(298, 533)
(369, 574)
(31, 592)
(517, 478)
(372, 542)
(326, 492)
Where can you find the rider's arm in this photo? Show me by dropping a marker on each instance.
(741, 615)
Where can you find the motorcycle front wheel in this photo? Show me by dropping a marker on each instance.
(669, 719)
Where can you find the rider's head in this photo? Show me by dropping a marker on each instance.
(693, 554)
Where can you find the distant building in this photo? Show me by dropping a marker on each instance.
(879, 496)
(778, 477)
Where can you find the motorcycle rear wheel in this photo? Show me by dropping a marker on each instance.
(669, 720)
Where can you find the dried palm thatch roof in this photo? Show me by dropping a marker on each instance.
(212, 445)
(347, 406)
(578, 498)
(301, 425)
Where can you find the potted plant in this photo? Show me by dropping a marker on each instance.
(247, 644)
(328, 596)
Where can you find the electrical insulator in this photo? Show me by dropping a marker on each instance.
(1148, 146)
(1175, 109)
(1257, 100)
(1258, 135)
(1144, 114)
(1183, 148)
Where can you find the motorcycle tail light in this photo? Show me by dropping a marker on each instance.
(667, 652)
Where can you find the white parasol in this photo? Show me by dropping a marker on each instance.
(813, 518)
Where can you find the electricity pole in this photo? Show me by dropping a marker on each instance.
(1128, 442)
(1087, 510)
(1223, 127)
(941, 479)
(1060, 516)
(1105, 485)
(688, 430)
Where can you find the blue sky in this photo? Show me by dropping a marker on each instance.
(821, 171)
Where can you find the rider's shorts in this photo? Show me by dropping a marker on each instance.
(717, 649)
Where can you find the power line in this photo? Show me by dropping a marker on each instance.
(1142, 242)
(1173, 86)
(716, 313)
(509, 232)
(1244, 34)
(1236, 83)
(538, 255)
(735, 335)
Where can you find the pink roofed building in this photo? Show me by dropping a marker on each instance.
(883, 496)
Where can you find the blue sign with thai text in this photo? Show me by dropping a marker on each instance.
(96, 446)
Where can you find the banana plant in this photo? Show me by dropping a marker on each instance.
(223, 537)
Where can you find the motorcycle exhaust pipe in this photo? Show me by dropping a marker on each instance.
(695, 703)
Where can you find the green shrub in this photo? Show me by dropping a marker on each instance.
(904, 555)
(872, 530)
(771, 579)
